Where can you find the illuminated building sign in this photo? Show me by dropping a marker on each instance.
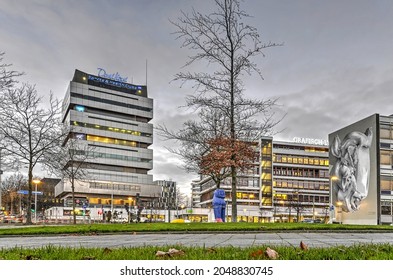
(109, 81)
(116, 77)
(311, 141)
(115, 83)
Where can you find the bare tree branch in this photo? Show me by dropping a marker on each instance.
(228, 46)
(27, 131)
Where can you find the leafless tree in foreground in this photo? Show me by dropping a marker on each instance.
(28, 131)
(70, 161)
(7, 77)
(228, 45)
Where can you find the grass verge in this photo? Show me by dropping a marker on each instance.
(189, 227)
(355, 252)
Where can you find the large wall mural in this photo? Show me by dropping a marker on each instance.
(352, 168)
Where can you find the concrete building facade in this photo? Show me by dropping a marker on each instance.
(361, 171)
(289, 182)
(105, 112)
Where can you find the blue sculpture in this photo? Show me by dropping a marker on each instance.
(219, 205)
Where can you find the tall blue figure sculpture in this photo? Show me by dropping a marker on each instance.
(219, 205)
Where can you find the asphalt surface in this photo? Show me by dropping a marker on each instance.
(312, 239)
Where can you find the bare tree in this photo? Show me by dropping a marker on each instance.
(70, 161)
(195, 139)
(295, 202)
(228, 45)
(7, 77)
(181, 198)
(7, 81)
(10, 187)
(27, 130)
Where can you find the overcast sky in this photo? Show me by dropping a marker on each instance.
(335, 66)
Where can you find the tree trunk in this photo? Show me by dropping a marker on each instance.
(73, 199)
(29, 197)
(234, 195)
(233, 138)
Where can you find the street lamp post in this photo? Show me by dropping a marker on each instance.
(331, 206)
(36, 182)
(112, 198)
(313, 207)
(129, 209)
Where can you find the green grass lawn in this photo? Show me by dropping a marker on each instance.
(187, 227)
(355, 252)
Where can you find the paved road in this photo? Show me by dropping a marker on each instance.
(312, 239)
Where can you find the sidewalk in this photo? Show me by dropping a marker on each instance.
(312, 239)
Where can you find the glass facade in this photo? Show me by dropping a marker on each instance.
(112, 119)
(266, 172)
(300, 182)
(386, 169)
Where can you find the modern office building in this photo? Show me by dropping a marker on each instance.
(361, 171)
(294, 180)
(112, 117)
(290, 182)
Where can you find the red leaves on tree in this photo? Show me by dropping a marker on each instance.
(225, 153)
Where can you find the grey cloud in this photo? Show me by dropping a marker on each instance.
(340, 99)
(333, 69)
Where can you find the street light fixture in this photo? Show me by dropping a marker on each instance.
(129, 209)
(36, 182)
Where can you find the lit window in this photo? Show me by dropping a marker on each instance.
(79, 108)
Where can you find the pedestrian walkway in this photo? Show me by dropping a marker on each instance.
(312, 239)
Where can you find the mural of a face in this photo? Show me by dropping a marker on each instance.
(352, 168)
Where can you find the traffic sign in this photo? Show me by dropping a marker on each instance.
(27, 192)
(23, 192)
